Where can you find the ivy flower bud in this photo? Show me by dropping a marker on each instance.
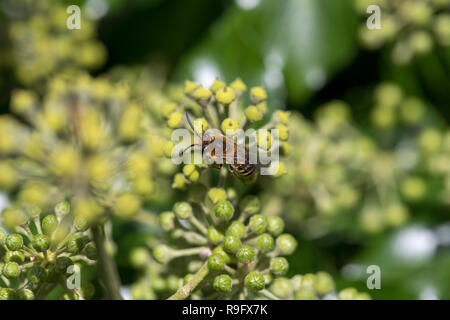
(279, 266)
(9, 176)
(202, 94)
(25, 294)
(81, 224)
(75, 244)
(283, 132)
(323, 283)
(200, 125)
(40, 242)
(231, 244)
(168, 148)
(49, 224)
(162, 253)
(90, 251)
(127, 205)
(167, 220)
(22, 101)
(363, 296)
(14, 241)
(222, 283)
(216, 195)
(190, 87)
(179, 182)
(225, 95)
(214, 235)
(37, 275)
(236, 229)
(217, 85)
(174, 119)
(223, 210)
(255, 281)
(280, 170)
(219, 251)
(250, 204)
(253, 114)
(7, 294)
(229, 126)
(62, 209)
(348, 294)
(62, 264)
(305, 294)
(245, 254)
(264, 139)
(168, 109)
(265, 242)
(14, 256)
(191, 172)
(11, 270)
(238, 85)
(258, 224)
(182, 210)
(275, 225)
(262, 107)
(258, 94)
(216, 262)
(286, 244)
(283, 116)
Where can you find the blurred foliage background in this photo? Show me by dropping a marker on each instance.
(377, 191)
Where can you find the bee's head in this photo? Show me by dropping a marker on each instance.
(207, 139)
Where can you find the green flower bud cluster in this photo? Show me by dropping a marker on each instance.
(318, 286)
(235, 248)
(409, 27)
(42, 252)
(155, 281)
(42, 44)
(334, 163)
(87, 137)
(221, 107)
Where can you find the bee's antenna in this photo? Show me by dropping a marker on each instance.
(192, 145)
(190, 124)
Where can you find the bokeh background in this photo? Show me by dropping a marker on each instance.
(368, 179)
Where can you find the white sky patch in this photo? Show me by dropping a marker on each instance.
(414, 244)
(273, 76)
(315, 78)
(353, 271)
(95, 9)
(206, 72)
(442, 232)
(4, 202)
(429, 293)
(125, 292)
(248, 4)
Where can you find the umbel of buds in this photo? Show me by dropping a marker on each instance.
(219, 242)
(88, 139)
(408, 27)
(221, 107)
(42, 252)
(239, 251)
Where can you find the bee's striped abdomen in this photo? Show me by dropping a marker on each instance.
(246, 170)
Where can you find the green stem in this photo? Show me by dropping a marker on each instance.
(186, 290)
(106, 267)
(198, 225)
(188, 252)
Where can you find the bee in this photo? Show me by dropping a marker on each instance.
(235, 156)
